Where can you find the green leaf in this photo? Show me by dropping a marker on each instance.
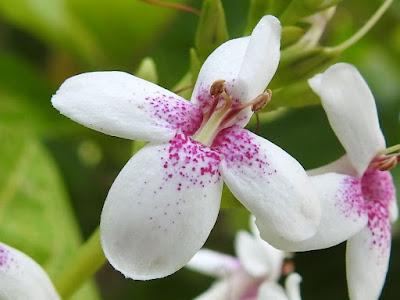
(25, 99)
(301, 65)
(290, 35)
(211, 30)
(35, 215)
(147, 70)
(52, 22)
(123, 28)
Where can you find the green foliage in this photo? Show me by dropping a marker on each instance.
(35, 214)
(211, 30)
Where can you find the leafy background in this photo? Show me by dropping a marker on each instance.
(55, 174)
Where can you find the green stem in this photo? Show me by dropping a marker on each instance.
(363, 30)
(88, 260)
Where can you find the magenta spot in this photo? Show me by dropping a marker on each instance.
(349, 199)
(189, 160)
(241, 150)
(175, 111)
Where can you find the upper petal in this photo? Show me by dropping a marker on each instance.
(343, 212)
(258, 257)
(367, 256)
(270, 183)
(22, 278)
(213, 263)
(161, 208)
(246, 64)
(351, 111)
(261, 59)
(120, 104)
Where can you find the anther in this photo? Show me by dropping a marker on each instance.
(388, 163)
(261, 101)
(217, 88)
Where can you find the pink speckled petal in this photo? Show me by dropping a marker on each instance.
(120, 104)
(351, 111)
(270, 183)
(258, 257)
(213, 263)
(161, 208)
(343, 212)
(22, 278)
(367, 257)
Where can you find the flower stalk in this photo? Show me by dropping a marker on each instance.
(89, 259)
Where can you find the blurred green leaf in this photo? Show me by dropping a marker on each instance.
(290, 35)
(25, 99)
(147, 70)
(122, 27)
(52, 22)
(211, 30)
(35, 216)
(301, 66)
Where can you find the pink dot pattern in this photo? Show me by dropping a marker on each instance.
(350, 199)
(177, 113)
(379, 191)
(7, 261)
(190, 161)
(241, 150)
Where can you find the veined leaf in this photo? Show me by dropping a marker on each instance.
(35, 215)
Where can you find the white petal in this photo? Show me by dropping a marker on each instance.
(22, 278)
(292, 285)
(393, 210)
(343, 212)
(271, 290)
(270, 183)
(351, 111)
(213, 263)
(120, 104)
(261, 58)
(258, 257)
(224, 63)
(246, 64)
(342, 166)
(367, 259)
(161, 208)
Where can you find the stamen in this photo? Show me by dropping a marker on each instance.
(390, 150)
(259, 102)
(388, 163)
(217, 88)
(385, 161)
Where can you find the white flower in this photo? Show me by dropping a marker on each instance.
(358, 199)
(254, 274)
(164, 203)
(22, 278)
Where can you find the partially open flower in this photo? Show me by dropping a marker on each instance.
(357, 191)
(253, 274)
